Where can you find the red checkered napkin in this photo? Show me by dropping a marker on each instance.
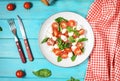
(104, 61)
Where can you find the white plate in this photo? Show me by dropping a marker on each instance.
(88, 44)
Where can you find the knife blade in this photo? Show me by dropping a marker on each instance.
(21, 25)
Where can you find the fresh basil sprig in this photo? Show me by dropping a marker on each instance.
(73, 79)
(71, 39)
(45, 40)
(62, 45)
(59, 59)
(73, 57)
(60, 19)
(44, 73)
(82, 39)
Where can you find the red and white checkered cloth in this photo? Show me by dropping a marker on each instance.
(104, 61)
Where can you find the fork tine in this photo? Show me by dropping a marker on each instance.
(11, 23)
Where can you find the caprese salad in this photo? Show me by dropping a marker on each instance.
(66, 39)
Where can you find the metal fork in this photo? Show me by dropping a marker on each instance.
(14, 31)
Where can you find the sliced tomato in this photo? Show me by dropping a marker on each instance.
(55, 32)
(66, 34)
(55, 25)
(81, 31)
(50, 42)
(59, 34)
(77, 51)
(64, 55)
(68, 50)
(75, 36)
(71, 23)
(63, 24)
(79, 44)
(57, 51)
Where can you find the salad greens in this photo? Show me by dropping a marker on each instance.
(71, 39)
(60, 19)
(59, 59)
(44, 73)
(66, 39)
(62, 45)
(73, 57)
(70, 29)
(82, 39)
(45, 40)
(73, 79)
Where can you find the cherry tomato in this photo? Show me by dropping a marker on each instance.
(77, 51)
(64, 55)
(57, 51)
(50, 42)
(27, 5)
(68, 50)
(63, 24)
(71, 23)
(55, 32)
(79, 44)
(66, 34)
(20, 73)
(81, 31)
(55, 25)
(10, 6)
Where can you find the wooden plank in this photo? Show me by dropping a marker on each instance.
(32, 28)
(39, 10)
(10, 66)
(37, 79)
(9, 50)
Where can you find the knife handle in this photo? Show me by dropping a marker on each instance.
(30, 56)
(22, 56)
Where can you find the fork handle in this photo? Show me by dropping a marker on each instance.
(22, 56)
(30, 56)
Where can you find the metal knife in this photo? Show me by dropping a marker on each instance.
(30, 56)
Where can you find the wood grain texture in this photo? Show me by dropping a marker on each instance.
(33, 19)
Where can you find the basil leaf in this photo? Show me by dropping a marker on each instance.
(62, 45)
(59, 59)
(59, 19)
(82, 39)
(44, 73)
(70, 29)
(59, 29)
(71, 39)
(45, 40)
(73, 57)
(73, 79)
(76, 32)
(82, 49)
(0, 28)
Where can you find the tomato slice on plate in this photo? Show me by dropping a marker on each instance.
(64, 55)
(79, 44)
(71, 23)
(57, 51)
(63, 24)
(50, 42)
(77, 51)
(55, 32)
(55, 25)
(81, 31)
(68, 50)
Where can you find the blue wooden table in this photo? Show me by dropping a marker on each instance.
(9, 57)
